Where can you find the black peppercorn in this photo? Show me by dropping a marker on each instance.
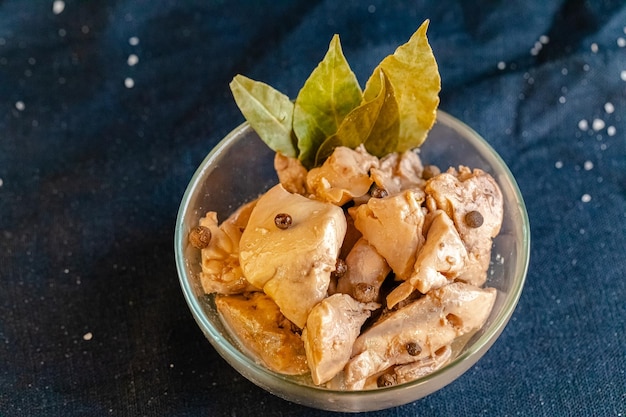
(474, 219)
(386, 380)
(377, 192)
(413, 349)
(283, 220)
(200, 237)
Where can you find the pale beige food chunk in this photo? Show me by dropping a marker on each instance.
(398, 172)
(459, 193)
(393, 225)
(331, 329)
(439, 261)
(261, 328)
(366, 272)
(343, 176)
(292, 265)
(418, 330)
(291, 173)
(221, 272)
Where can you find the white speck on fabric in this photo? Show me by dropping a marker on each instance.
(597, 125)
(20, 105)
(609, 107)
(588, 165)
(58, 6)
(583, 125)
(558, 164)
(611, 131)
(594, 48)
(129, 82)
(134, 41)
(585, 198)
(88, 336)
(132, 60)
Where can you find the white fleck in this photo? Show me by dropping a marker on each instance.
(598, 124)
(586, 67)
(129, 82)
(588, 165)
(564, 71)
(562, 100)
(534, 51)
(171, 365)
(1, 182)
(58, 6)
(134, 41)
(582, 231)
(501, 65)
(371, 8)
(558, 164)
(585, 198)
(594, 47)
(544, 39)
(608, 107)
(132, 60)
(622, 75)
(610, 131)
(20, 105)
(66, 271)
(583, 125)
(621, 42)
(88, 336)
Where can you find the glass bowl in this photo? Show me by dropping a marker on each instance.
(240, 168)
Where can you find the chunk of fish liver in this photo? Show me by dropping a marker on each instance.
(463, 191)
(331, 329)
(292, 265)
(430, 323)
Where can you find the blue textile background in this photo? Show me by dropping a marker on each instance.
(107, 108)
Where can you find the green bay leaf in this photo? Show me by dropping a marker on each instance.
(373, 123)
(413, 72)
(328, 95)
(269, 112)
(384, 136)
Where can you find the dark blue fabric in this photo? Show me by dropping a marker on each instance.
(96, 150)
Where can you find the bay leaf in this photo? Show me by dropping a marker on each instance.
(414, 74)
(384, 135)
(269, 112)
(328, 95)
(373, 123)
